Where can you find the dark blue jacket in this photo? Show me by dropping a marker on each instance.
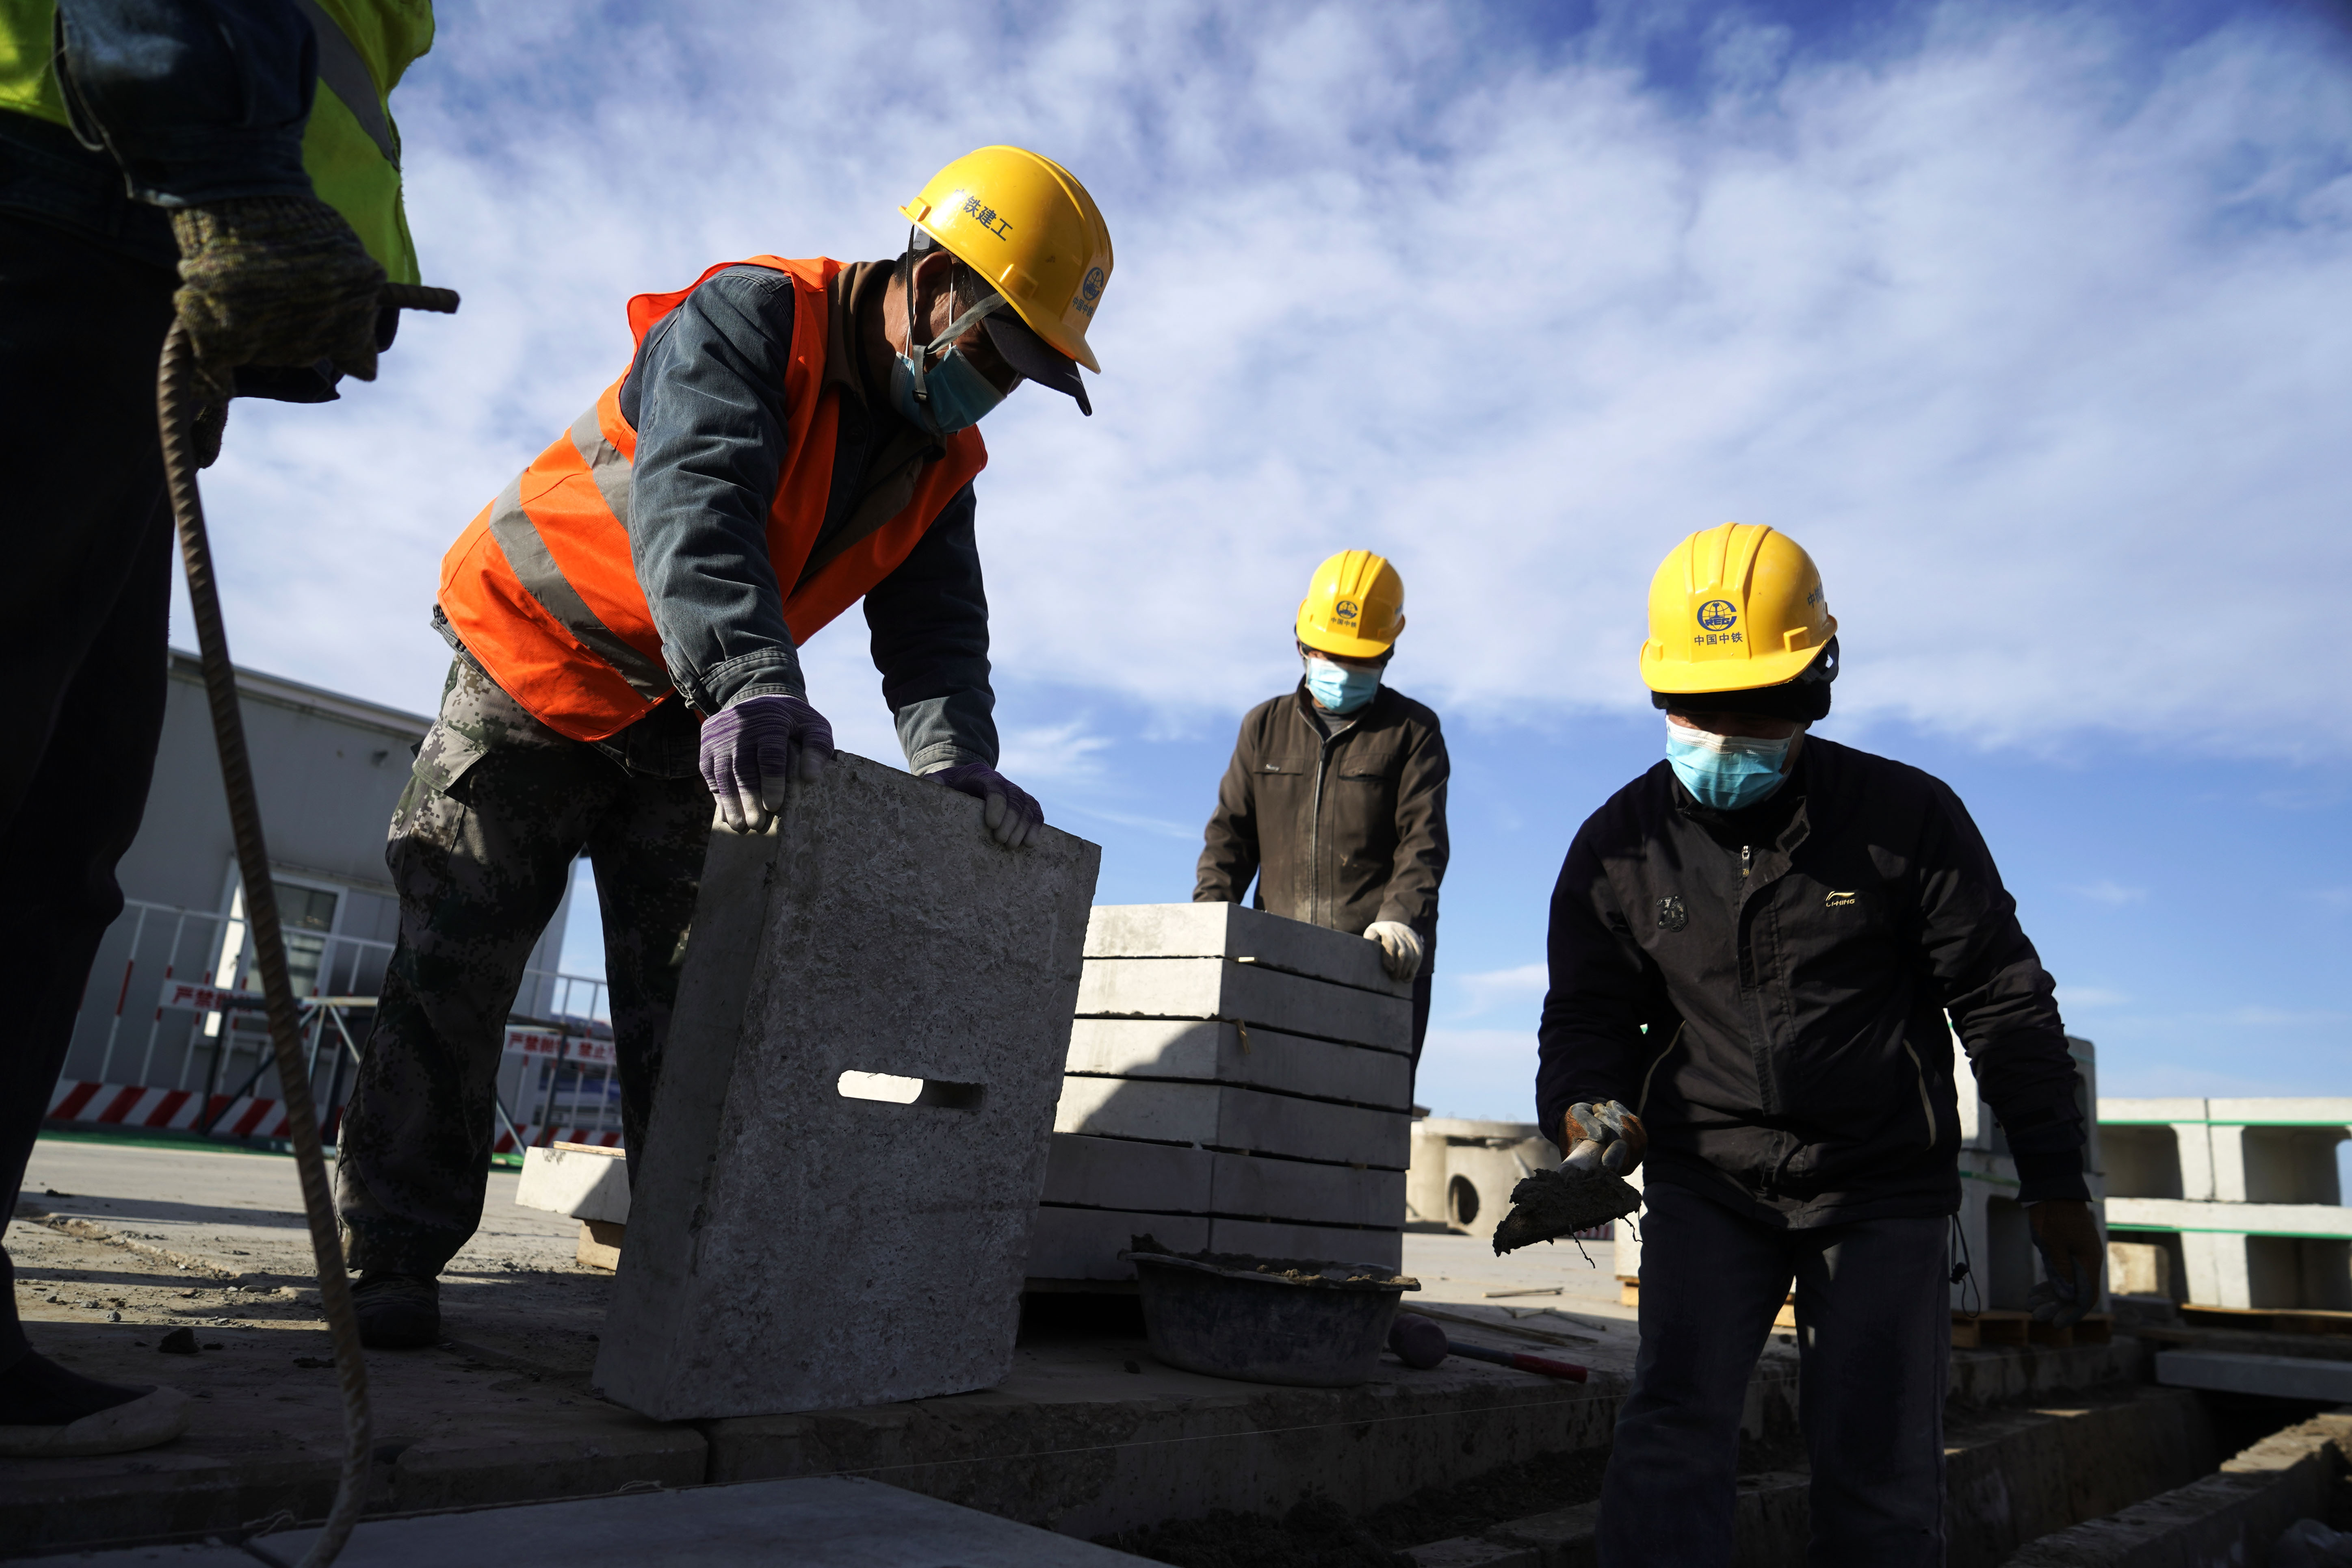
(190, 102)
(706, 394)
(1768, 988)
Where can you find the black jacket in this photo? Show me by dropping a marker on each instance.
(1768, 989)
(1338, 831)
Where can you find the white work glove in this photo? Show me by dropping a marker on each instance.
(1604, 1137)
(1400, 947)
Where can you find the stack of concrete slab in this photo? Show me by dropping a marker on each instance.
(1237, 1082)
(833, 1202)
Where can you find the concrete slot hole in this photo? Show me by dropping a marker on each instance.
(894, 1088)
(1462, 1201)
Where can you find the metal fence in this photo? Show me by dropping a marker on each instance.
(178, 1011)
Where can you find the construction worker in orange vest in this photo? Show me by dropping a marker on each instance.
(791, 438)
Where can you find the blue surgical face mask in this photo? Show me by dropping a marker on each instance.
(1338, 689)
(950, 396)
(1726, 772)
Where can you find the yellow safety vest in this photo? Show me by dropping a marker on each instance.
(351, 148)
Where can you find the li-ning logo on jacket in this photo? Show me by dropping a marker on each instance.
(1671, 914)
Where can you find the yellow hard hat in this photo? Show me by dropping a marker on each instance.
(1354, 605)
(1025, 224)
(1732, 608)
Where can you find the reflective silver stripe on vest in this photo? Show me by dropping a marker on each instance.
(344, 69)
(527, 553)
(611, 470)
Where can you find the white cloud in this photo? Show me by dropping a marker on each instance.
(1054, 753)
(1524, 982)
(2033, 335)
(2074, 998)
(2115, 895)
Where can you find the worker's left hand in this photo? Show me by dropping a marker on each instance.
(275, 280)
(2072, 1256)
(752, 751)
(1400, 947)
(1012, 815)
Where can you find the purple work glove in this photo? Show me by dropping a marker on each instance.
(753, 749)
(1013, 816)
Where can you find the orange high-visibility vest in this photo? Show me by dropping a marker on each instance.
(541, 587)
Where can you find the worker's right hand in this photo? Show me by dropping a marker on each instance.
(1399, 948)
(1606, 1137)
(275, 280)
(754, 748)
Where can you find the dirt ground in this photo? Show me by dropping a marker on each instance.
(1318, 1534)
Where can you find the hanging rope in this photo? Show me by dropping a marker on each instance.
(176, 400)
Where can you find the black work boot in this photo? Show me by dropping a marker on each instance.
(397, 1311)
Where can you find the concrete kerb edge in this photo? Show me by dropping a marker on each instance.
(2232, 1516)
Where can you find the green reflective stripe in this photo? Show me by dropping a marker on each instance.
(528, 554)
(344, 71)
(612, 471)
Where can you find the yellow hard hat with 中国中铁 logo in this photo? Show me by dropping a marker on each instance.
(1025, 225)
(1732, 608)
(1354, 605)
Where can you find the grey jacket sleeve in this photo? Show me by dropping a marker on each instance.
(706, 396)
(929, 619)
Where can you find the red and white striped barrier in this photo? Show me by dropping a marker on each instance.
(135, 1105)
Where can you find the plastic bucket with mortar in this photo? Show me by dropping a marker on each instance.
(1265, 1320)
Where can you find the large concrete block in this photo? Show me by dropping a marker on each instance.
(1121, 1173)
(586, 1182)
(1238, 931)
(793, 1248)
(1214, 1053)
(1263, 1239)
(1085, 1242)
(1221, 1115)
(1252, 994)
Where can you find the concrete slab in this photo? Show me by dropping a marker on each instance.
(1095, 1435)
(1084, 1243)
(1213, 1053)
(1112, 1173)
(795, 1248)
(581, 1181)
(835, 1523)
(2279, 1376)
(1256, 995)
(1220, 931)
(1222, 1116)
(2230, 1517)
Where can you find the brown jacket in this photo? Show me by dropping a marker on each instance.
(1339, 832)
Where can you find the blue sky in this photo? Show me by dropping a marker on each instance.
(2029, 321)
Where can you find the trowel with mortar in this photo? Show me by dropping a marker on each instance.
(1585, 1191)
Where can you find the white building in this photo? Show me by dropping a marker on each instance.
(329, 769)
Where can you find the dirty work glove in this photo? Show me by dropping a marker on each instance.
(1400, 947)
(275, 280)
(2068, 1239)
(1606, 1137)
(1012, 815)
(753, 749)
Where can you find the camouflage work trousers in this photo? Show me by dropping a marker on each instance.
(481, 851)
